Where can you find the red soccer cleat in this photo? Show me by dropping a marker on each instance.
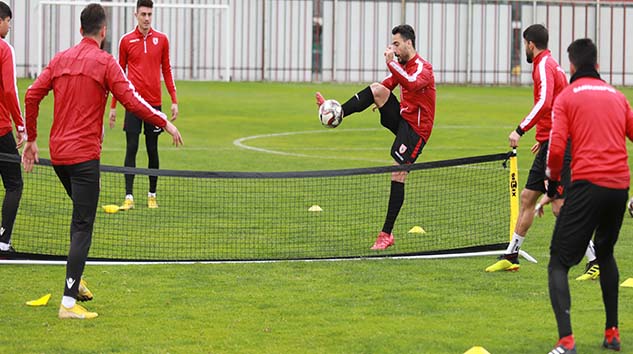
(319, 99)
(565, 345)
(612, 339)
(383, 241)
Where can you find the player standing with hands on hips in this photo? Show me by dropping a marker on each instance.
(9, 110)
(598, 118)
(144, 55)
(81, 78)
(410, 120)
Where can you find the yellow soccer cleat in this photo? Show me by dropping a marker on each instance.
(76, 312)
(506, 262)
(152, 203)
(127, 204)
(84, 293)
(592, 272)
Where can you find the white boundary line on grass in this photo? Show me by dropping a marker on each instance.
(432, 256)
(240, 143)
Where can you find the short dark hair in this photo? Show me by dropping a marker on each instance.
(405, 32)
(93, 18)
(583, 53)
(538, 35)
(5, 11)
(145, 3)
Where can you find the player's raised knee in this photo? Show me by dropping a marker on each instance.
(380, 92)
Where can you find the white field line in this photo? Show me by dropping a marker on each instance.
(241, 144)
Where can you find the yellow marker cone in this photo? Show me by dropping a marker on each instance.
(627, 283)
(417, 230)
(40, 302)
(315, 208)
(477, 350)
(110, 209)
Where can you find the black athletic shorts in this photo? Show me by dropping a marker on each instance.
(536, 177)
(134, 124)
(588, 208)
(11, 172)
(407, 145)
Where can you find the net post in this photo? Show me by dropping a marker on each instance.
(514, 190)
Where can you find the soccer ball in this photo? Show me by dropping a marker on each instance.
(630, 206)
(330, 113)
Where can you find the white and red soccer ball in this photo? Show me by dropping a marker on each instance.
(331, 113)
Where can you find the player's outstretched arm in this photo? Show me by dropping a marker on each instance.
(125, 93)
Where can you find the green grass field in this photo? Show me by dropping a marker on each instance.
(365, 306)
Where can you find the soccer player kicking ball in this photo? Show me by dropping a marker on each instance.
(81, 78)
(410, 120)
(549, 81)
(597, 118)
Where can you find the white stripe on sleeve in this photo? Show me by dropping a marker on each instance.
(401, 71)
(537, 107)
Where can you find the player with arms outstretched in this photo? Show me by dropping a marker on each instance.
(410, 120)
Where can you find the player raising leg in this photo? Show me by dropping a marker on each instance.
(410, 120)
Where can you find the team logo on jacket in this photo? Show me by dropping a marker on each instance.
(402, 149)
(155, 41)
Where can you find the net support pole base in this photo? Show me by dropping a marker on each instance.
(527, 256)
(522, 253)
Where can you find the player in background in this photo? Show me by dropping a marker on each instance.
(144, 54)
(598, 118)
(549, 80)
(410, 120)
(81, 78)
(9, 110)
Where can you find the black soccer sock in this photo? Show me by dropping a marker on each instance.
(151, 144)
(396, 198)
(559, 295)
(9, 211)
(130, 159)
(609, 279)
(359, 102)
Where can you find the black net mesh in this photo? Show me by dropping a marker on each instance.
(460, 204)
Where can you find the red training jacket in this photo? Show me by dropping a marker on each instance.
(81, 78)
(549, 81)
(417, 93)
(9, 101)
(597, 117)
(144, 57)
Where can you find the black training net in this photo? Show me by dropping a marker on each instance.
(459, 205)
